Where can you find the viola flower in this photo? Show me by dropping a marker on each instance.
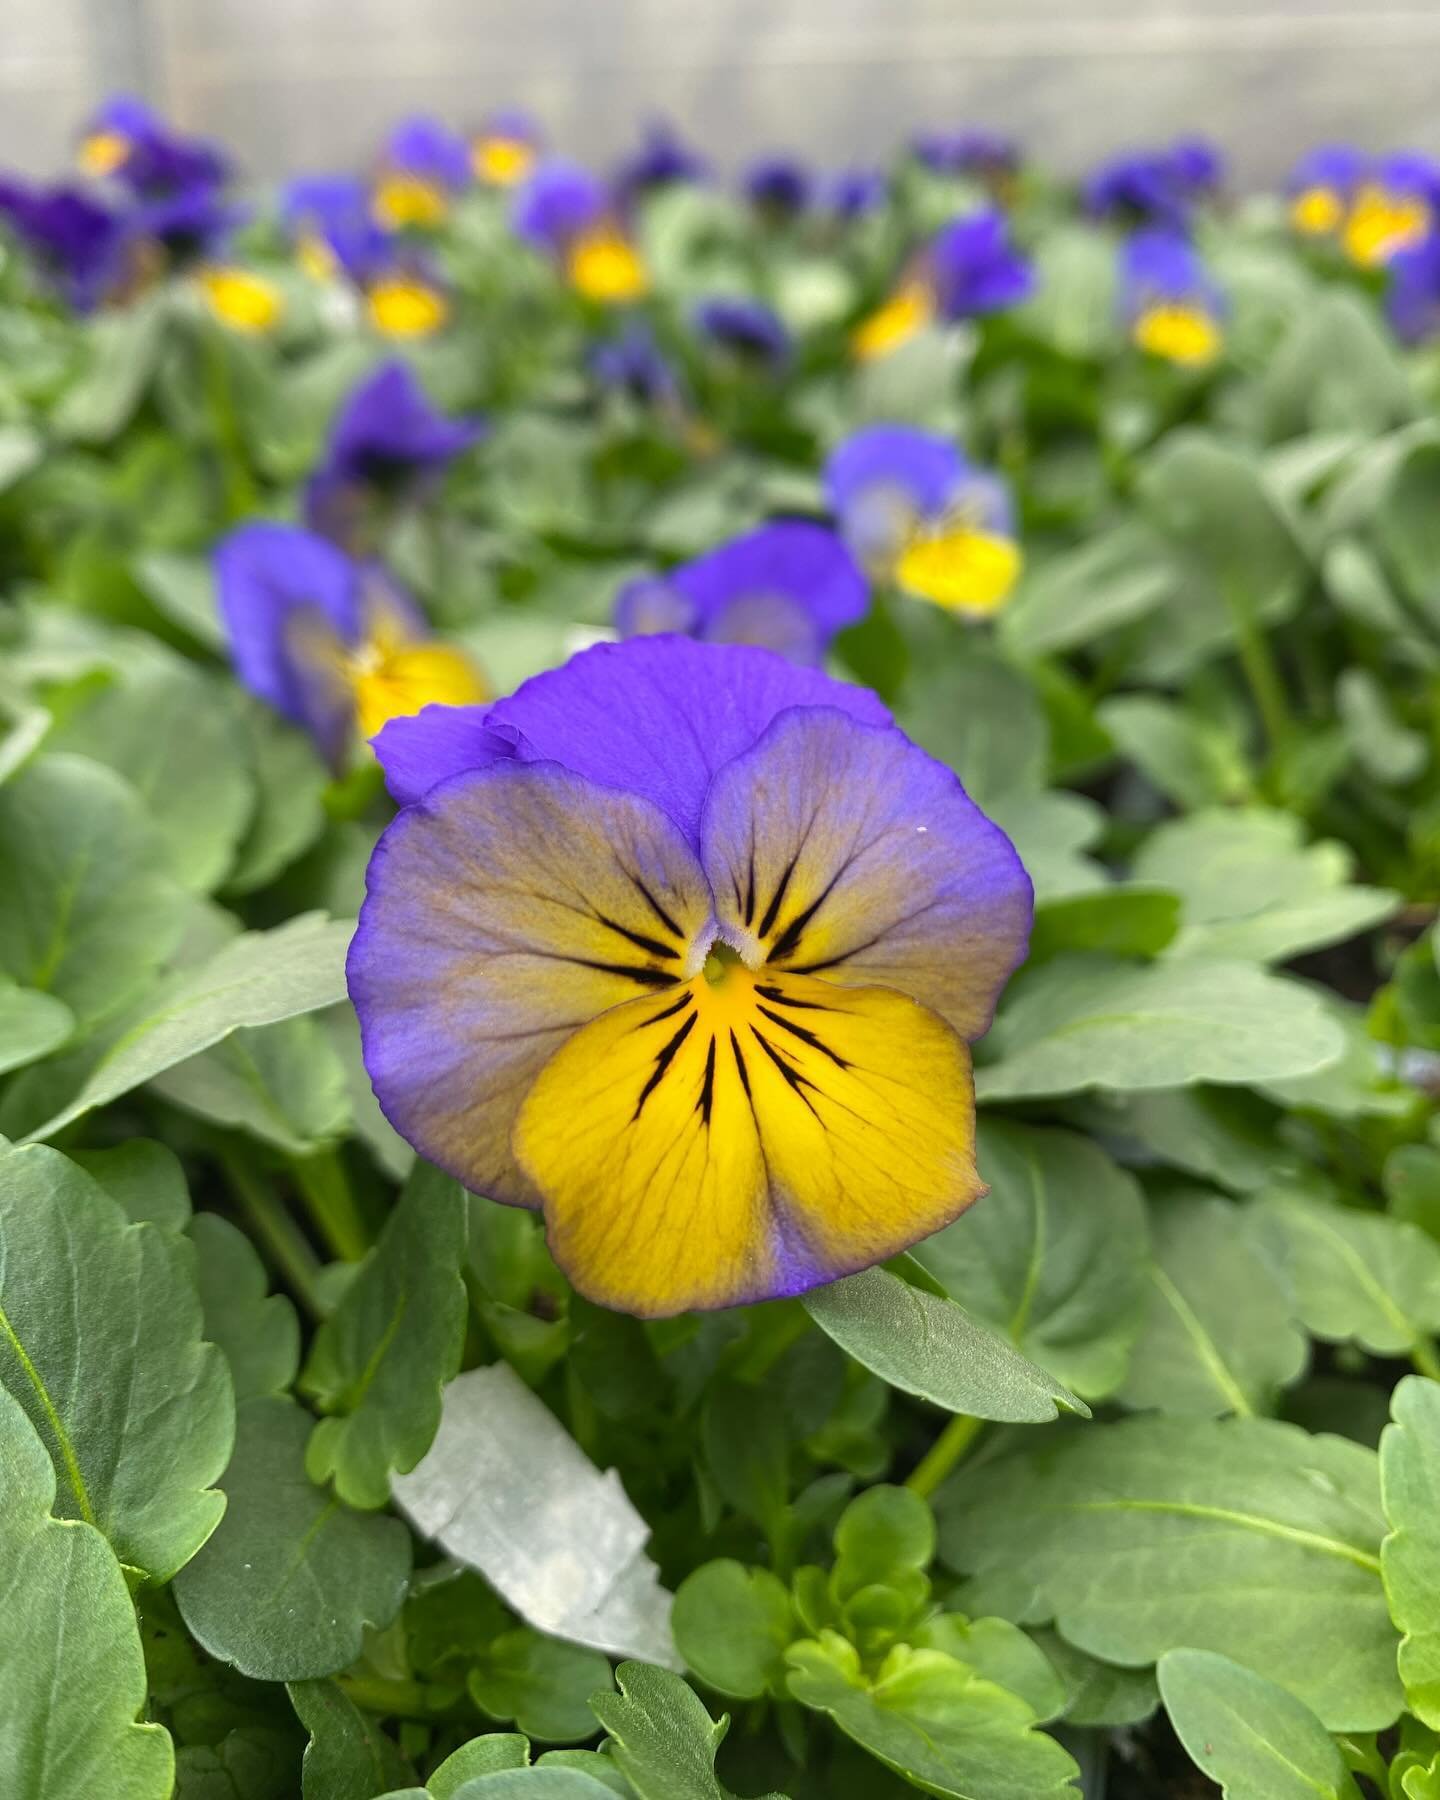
(404, 297)
(1414, 298)
(747, 328)
(1391, 210)
(162, 165)
(635, 365)
(332, 644)
(568, 213)
(387, 444)
(790, 586)
(855, 192)
(80, 246)
(1171, 304)
(779, 187)
(113, 132)
(664, 159)
(970, 268)
(988, 155)
(683, 946)
(916, 513)
(423, 165)
(1155, 187)
(1322, 187)
(325, 217)
(241, 299)
(505, 148)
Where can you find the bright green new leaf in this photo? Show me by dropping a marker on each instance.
(100, 1342)
(286, 1587)
(1243, 1536)
(1254, 1739)
(378, 1363)
(1410, 1555)
(1093, 1022)
(1000, 1652)
(934, 1721)
(1054, 1256)
(255, 979)
(932, 1347)
(1218, 1335)
(72, 1668)
(348, 1757)
(1356, 1276)
(661, 1737)
(257, 1330)
(733, 1625)
(88, 909)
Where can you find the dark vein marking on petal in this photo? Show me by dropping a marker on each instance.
(651, 946)
(789, 940)
(631, 971)
(805, 1037)
(655, 907)
(670, 1011)
(663, 1059)
(779, 895)
(750, 890)
(707, 1087)
(781, 998)
(798, 1083)
(743, 1072)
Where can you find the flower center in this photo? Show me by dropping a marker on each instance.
(720, 962)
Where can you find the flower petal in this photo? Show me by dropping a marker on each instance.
(840, 849)
(414, 676)
(503, 913)
(751, 1139)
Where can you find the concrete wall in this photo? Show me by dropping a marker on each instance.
(307, 83)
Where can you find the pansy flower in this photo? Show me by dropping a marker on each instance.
(634, 364)
(423, 165)
(1392, 209)
(751, 331)
(79, 245)
(1155, 187)
(112, 133)
(332, 644)
(505, 148)
(325, 217)
(988, 155)
(684, 946)
(779, 187)
(1321, 188)
(664, 159)
(853, 193)
(916, 513)
(570, 215)
(404, 297)
(163, 165)
(789, 586)
(1413, 301)
(387, 444)
(969, 268)
(1171, 304)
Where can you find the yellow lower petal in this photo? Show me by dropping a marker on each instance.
(966, 570)
(1382, 224)
(400, 200)
(400, 681)
(603, 265)
(906, 313)
(403, 306)
(316, 258)
(1181, 334)
(103, 152)
(243, 301)
(501, 161)
(745, 1137)
(1316, 211)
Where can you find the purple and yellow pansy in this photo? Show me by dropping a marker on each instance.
(505, 149)
(571, 216)
(1171, 304)
(968, 269)
(919, 515)
(789, 586)
(685, 946)
(422, 167)
(333, 644)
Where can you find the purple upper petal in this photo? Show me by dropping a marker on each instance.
(975, 269)
(424, 147)
(557, 203)
(388, 433)
(655, 715)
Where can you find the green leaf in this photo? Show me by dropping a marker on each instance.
(183, 589)
(1191, 761)
(882, 1536)
(982, 718)
(536, 1784)
(1243, 1536)
(1336, 369)
(1124, 921)
(1356, 1277)
(733, 1625)
(662, 1738)
(1221, 1134)
(1405, 525)
(1254, 1739)
(933, 1720)
(258, 1331)
(21, 450)
(481, 1756)
(283, 1083)
(172, 732)
(1253, 890)
(256, 979)
(1053, 1257)
(1089, 1021)
(32, 1024)
(248, 1763)
(144, 1179)
(544, 1685)
(72, 1667)
(287, 1585)
(100, 1343)
(290, 782)
(1388, 751)
(1218, 1336)
(1410, 1555)
(348, 1757)
(1050, 830)
(1117, 576)
(933, 1348)
(122, 349)
(1000, 1652)
(1098, 1693)
(87, 909)
(378, 1363)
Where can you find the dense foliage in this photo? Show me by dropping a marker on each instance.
(1134, 1467)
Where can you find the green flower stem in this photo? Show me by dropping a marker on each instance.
(322, 1180)
(1425, 1358)
(277, 1231)
(239, 485)
(943, 1454)
(1261, 670)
